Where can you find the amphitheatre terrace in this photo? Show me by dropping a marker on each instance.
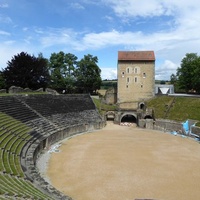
(30, 124)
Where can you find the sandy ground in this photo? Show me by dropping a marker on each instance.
(127, 163)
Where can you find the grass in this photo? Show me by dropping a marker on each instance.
(103, 107)
(22, 93)
(12, 142)
(175, 108)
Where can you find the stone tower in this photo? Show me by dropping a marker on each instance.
(136, 78)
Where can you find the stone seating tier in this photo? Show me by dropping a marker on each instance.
(13, 183)
(43, 116)
(13, 107)
(48, 105)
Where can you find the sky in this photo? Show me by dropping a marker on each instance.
(171, 28)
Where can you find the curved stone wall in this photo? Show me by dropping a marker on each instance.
(29, 163)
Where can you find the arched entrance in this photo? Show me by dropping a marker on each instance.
(142, 105)
(148, 117)
(130, 118)
(110, 116)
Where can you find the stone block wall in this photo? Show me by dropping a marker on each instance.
(195, 130)
(36, 149)
(111, 96)
(135, 82)
(168, 125)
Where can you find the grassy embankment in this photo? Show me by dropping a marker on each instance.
(103, 107)
(176, 108)
(166, 107)
(22, 93)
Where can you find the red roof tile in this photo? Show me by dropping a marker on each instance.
(136, 55)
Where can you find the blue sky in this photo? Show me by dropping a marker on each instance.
(102, 28)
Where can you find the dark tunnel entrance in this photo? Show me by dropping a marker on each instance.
(142, 106)
(129, 118)
(148, 117)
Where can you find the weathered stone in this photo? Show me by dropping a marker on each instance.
(3, 91)
(15, 89)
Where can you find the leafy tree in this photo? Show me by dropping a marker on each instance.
(162, 82)
(173, 79)
(2, 81)
(62, 68)
(88, 74)
(25, 71)
(188, 73)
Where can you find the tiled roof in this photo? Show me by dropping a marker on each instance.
(136, 55)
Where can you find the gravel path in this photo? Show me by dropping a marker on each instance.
(123, 162)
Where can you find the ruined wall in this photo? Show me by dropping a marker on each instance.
(111, 96)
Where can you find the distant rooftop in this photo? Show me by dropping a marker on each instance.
(136, 55)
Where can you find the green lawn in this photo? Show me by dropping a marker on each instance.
(175, 108)
(103, 107)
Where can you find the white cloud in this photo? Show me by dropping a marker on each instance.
(109, 18)
(170, 45)
(108, 73)
(4, 5)
(4, 33)
(77, 6)
(164, 71)
(6, 54)
(55, 37)
(5, 19)
(142, 8)
(9, 42)
(9, 48)
(184, 16)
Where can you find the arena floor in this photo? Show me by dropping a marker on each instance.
(127, 163)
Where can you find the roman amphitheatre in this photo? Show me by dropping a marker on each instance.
(97, 159)
(67, 147)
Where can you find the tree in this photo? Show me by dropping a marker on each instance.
(2, 81)
(62, 68)
(88, 74)
(26, 71)
(188, 74)
(173, 79)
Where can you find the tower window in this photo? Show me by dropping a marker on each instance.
(136, 70)
(144, 75)
(135, 79)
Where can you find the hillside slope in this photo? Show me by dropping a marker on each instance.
(175, 108)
